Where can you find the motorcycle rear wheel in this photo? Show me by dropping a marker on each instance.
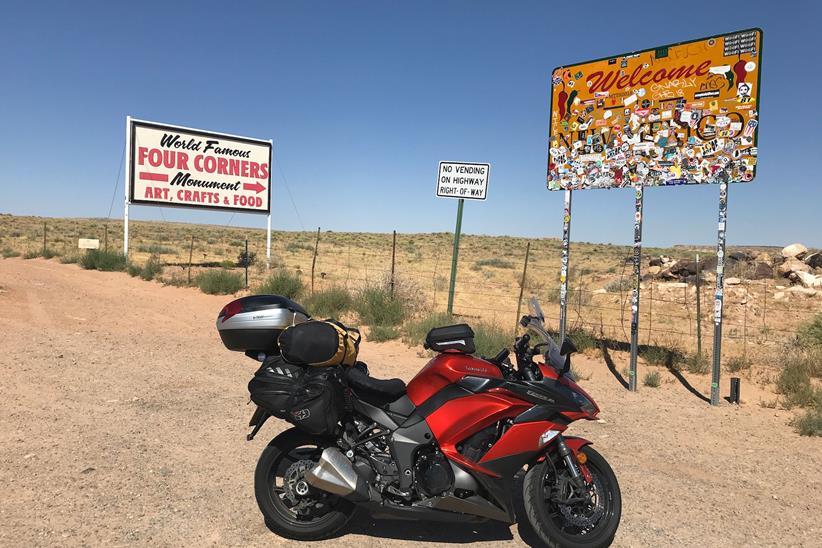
(550, 521)
(327, 513)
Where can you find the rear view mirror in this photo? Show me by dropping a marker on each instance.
(524, 321)
(568, 347)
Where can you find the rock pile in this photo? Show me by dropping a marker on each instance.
(794, 262)
(801, 267)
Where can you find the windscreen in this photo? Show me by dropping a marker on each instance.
(537, 327)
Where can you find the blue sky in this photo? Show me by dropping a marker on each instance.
(363, 99)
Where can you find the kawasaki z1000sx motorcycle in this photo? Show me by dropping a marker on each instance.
(447, 446)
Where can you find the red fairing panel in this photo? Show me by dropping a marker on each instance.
(462, 417)
(520, 438)
(447, 369)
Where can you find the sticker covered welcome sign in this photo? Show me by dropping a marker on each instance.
(681, 114)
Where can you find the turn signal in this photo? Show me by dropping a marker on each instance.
(582, 458)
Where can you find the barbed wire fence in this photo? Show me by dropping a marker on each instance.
(757, 312)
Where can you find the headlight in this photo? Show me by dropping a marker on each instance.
(584, 403)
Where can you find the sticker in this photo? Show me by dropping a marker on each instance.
(691, 129)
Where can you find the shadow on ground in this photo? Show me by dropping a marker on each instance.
(671, 359)
(446, 532)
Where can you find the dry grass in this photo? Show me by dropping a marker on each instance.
(490, 269)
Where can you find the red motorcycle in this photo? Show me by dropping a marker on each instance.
(448, 447)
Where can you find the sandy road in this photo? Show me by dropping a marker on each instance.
(122, 422)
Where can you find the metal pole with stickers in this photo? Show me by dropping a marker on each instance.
(637, 263)
(563, 273)
(720, 289)
(675, 115)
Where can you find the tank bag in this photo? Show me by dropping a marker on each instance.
(320, 344)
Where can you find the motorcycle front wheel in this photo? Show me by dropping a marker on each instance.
(577, 524)
(291, 508)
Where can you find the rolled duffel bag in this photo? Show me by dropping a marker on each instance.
(320, 343)
(318, 402)
(274, 385)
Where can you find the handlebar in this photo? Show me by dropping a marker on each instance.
(521, 344)
(524, 358)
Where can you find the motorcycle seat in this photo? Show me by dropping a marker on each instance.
(377, 392)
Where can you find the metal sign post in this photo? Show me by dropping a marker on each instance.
(268, 241)
(126, 186)
(635, 293)
(563, 273)
(268, 221)
(454, 256)
(464, 181)
(720, 287)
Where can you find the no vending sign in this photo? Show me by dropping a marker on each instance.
(463, 180)
(183, 167)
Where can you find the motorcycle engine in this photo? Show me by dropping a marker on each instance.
(432, 473)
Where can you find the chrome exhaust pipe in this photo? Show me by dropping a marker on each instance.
(335, 474)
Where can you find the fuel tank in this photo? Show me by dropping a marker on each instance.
(444, 369)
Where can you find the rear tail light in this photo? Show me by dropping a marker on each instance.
(232, 308)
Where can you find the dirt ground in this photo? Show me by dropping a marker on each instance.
(122, 422)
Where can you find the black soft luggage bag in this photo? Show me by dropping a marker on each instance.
(318, 402)
(274, 386)
(320, 343)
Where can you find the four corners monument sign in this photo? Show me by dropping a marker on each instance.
(680, 114)
(174, 166)
(181, 167)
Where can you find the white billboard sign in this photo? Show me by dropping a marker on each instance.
(174, 166)
(88, 243)
(463, 180)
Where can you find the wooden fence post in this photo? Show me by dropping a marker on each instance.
(650, 310)
(745, 326)
(765, 311)
(393, 258)
(245, 263)
(190, 254)
(314, 260)
(698, 310)
(522, 284)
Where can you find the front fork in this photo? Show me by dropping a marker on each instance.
(579, 472)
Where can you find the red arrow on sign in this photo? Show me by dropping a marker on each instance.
(255, 186)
